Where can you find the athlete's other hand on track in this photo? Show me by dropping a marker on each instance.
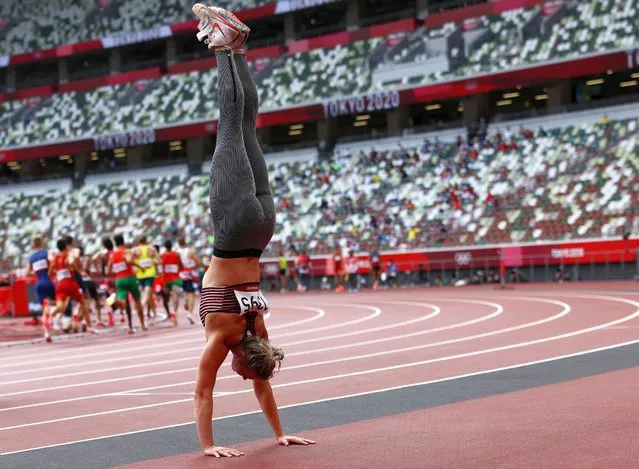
(222, 452)
(294, 440)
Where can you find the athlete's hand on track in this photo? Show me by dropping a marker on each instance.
(294, 440)
(222, 452)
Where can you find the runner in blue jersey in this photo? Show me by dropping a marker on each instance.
(44, 288)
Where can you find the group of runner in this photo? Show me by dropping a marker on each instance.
(137, 276)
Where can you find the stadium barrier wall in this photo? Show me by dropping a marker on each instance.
(511, 256)
(6, 300)
(558, 262)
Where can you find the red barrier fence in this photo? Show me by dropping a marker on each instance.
(19, 299)
(6, 300)
(555, 254)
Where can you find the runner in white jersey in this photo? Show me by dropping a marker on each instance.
(188, 275)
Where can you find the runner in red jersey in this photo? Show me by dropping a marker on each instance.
(64, 268)
(158, 286)
(171, 267)
(121, 265)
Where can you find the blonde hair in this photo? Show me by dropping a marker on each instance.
(262, 357)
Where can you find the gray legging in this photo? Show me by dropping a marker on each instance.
(241, 203)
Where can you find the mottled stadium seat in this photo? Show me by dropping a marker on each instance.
(59, 22)
(318, 74)
(577, 181)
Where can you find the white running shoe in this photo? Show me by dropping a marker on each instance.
(220, 28)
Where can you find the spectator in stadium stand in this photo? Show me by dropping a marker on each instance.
(174, 228)
(243, 211)
(303, 264)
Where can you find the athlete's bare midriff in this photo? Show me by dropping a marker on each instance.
(228, 272)
(232, 327)
(224, 273)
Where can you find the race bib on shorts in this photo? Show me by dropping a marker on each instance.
(171, 269)
(251, 302)
(186, 275)
(62, 274)
(119, 267)
(42, 264)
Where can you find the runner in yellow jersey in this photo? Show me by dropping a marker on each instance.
(148, 259)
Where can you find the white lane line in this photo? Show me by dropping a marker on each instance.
(376, 312)
(498, 310)
(337, 398)
(57, 353)
(320, 313)
(160, 394)
(534, 323)
(362, 372)
(150, 342)
(436, 312)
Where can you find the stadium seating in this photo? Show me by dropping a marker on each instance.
(60, 22)
(504, 48)
(515, 185)
(112, 109)
(318, 74)
(592, 26)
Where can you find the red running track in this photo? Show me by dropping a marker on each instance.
(336, 345)
(507, 431)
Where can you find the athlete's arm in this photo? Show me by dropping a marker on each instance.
(27, 270)
(76, 263)
(128, 257)
(109, 269)
(95, 262)
(155, 256)
(213, 355)
(195, 259)
(264, 394)
(265, 397)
